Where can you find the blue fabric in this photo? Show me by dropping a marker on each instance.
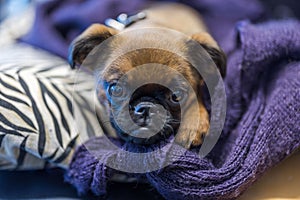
(58, 22)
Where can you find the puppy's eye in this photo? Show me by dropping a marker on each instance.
(178, 96)
(115, 90)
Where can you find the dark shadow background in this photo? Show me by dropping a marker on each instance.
(280, 9)
(50, 183)
(42, 184)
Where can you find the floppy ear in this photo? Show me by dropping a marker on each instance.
(212, 48)
(87, 41)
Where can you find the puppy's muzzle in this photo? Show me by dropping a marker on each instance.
(148, 115)
(143, 113)
(153, 116)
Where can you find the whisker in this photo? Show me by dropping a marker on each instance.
(173, 121)
(169, 129)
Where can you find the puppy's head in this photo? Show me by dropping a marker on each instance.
(150, 103)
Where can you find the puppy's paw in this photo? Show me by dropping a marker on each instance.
(190, 137)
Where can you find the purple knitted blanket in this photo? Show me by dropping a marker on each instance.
(262, 127)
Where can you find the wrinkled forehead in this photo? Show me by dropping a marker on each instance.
(148, 65)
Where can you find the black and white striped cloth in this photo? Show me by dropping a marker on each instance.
(46, 109)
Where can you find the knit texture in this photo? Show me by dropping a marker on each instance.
(262, 125)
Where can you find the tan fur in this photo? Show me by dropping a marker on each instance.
(96, 29)
(174, 16)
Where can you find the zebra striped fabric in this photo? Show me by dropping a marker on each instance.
(46, 109)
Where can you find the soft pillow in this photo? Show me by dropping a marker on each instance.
(46, 109)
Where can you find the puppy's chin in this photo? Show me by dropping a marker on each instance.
(133, 137)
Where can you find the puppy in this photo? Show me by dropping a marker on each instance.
(180, 110)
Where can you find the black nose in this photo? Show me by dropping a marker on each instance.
(143, 109)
